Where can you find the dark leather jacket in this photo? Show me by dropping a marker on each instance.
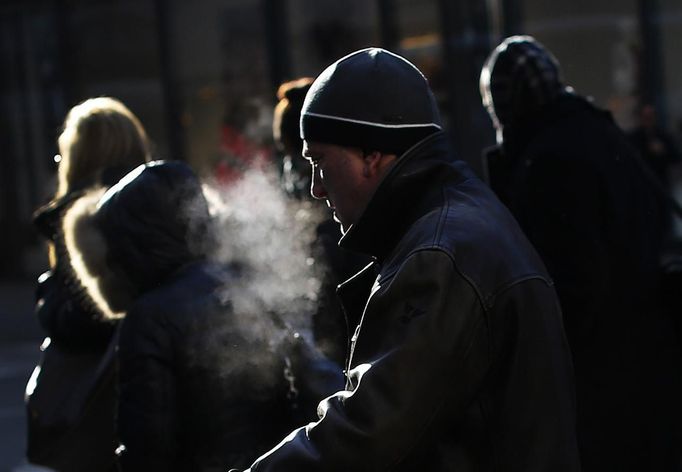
(459, 360)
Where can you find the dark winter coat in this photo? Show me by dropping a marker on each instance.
(190, 397)
(572, 181)
(64, 311)
(459, 360)
(330, 326)
(68, 425)
(202, 387)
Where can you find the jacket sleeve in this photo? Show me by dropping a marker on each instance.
(315, 377)
(147, 394)
(422, 352)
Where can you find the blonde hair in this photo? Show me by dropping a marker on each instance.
(99, 133)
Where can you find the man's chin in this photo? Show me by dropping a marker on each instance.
(343, 227)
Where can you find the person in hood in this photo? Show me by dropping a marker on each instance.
(578, 190)
(202, 387)
(101, 141)
(458, 359)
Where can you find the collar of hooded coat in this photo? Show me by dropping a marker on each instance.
(131, 238)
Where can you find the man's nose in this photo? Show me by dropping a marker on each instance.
(317, 190)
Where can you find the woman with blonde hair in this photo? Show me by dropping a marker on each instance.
(70, 396)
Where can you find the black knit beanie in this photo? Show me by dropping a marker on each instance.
(372, 99)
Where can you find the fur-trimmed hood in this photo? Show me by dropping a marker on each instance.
(127, 240)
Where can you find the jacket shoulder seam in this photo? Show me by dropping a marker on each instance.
(490, 300)
(434, 247)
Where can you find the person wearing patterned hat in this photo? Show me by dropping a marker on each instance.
(570, 177)
(458, 359)
(527, 78)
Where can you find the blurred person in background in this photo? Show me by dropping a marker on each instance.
(330, 327)
(70, 412)
(658, 151)
(286, 134)
(458, 359)
(655, 145)
(574, 183)
(202, 386)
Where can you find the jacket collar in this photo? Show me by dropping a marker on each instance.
(405, 193)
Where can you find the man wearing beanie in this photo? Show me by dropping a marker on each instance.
(458, 359)
(575, 185)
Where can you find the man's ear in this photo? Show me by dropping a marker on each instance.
(376, 163)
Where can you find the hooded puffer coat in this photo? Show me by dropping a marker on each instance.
(202, 387)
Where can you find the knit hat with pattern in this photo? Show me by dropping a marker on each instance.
(519, 77)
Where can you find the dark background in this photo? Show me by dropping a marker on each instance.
(199, 73)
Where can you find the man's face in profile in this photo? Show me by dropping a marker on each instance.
(339, 178)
